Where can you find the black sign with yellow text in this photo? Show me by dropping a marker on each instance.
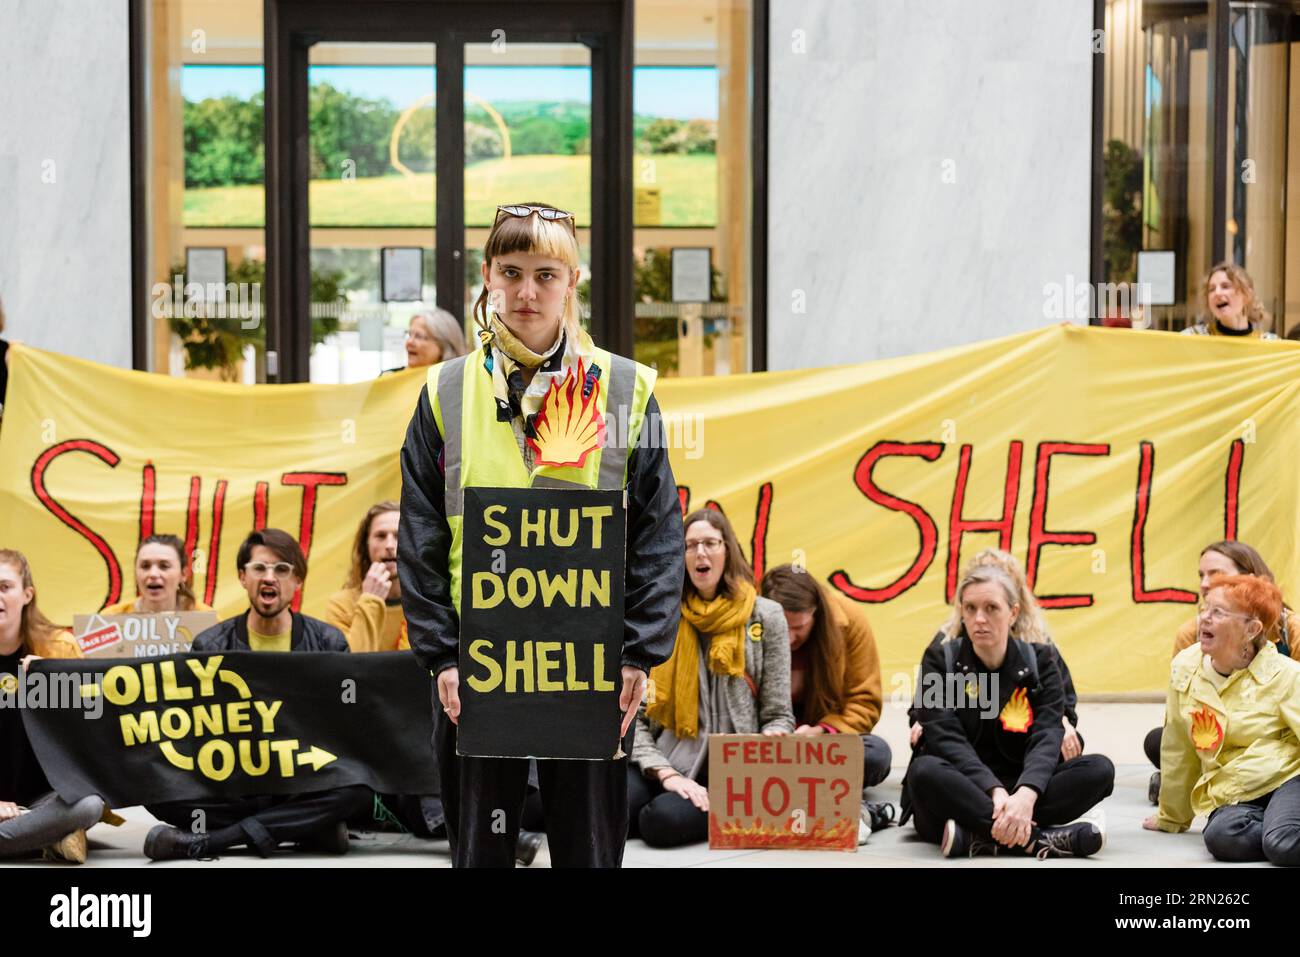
(541, 623)
(194, 726)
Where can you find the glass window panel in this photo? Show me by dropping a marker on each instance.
(371, 122)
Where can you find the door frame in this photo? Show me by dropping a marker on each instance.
(291, 27)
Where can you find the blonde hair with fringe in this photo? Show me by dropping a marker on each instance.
(997, 566)
(554, 239)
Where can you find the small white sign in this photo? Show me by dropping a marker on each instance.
(691, 273)
(1156, 277)
(205, 265)
(402, 277)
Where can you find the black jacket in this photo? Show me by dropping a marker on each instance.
(655, 546)
(1069, 707)
(309, 634)
(979, 746)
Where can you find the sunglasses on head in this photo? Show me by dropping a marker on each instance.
(549, 213)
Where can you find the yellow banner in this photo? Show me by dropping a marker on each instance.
(1103, 459)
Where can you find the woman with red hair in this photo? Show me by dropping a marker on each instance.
(1231, 741)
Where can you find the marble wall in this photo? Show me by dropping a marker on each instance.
(65, 199)
(929, 172)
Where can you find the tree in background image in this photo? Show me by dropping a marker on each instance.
(223, 141)
(1121, 211)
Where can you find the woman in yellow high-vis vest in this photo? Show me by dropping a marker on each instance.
(474, 426)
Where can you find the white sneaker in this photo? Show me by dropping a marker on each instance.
(864, 826)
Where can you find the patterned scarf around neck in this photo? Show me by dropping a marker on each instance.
(676, 703)
(505, 358)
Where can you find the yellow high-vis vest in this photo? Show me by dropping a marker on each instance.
(481, 452)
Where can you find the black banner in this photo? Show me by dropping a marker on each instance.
(541, 623)
(192, 726)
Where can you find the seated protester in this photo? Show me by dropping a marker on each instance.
(988, 771)
(729, 674)
(161, 580)
(272, 569)
(369, 608)
(1224, 558)
(32, 817)
(1230, 746)
(834, 668)
(1029, 626)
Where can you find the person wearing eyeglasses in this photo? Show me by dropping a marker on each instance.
(729, 674)
(432, 336)
(1223, 558)
(475, 426)
(1231, 742)
(272, 569)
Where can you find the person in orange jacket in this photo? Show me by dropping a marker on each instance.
(368, 610)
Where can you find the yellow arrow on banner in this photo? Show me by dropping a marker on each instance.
(182, 761)
(316, 757)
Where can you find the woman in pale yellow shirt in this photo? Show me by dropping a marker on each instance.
(160, 580)
(368, 610)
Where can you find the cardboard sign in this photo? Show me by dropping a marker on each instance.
(541, 623)
(139, 635)
(794, 791)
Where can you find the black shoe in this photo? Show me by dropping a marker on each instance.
(331, 839)
(958, 842)
(527, 846)
(882, 815)
(167, 843)
(1073, 840)
(1153, 788)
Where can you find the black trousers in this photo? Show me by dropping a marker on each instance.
(584, 805)
(662, 818)
(1265, 829)
(938, 791)
(876, 759)
(264, 821)
(1151, 745)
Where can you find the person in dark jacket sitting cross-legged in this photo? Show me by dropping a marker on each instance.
(272, 569)
(988, 773)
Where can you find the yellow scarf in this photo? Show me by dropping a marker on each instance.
(676, 703)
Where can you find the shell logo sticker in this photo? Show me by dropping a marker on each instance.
(1207, 733)
(756, 631)
(1017, 714)
(569, 427)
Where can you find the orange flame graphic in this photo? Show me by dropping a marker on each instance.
(839, 836)
(568, 426)
(1017, 714)
(1207, 733)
